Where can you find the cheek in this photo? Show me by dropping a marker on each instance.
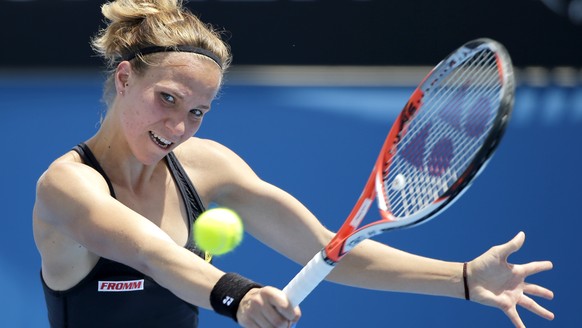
(136, 118)
(131, 120)
(193, 127)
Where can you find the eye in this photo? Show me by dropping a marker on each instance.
(168, 98)
(197, 113)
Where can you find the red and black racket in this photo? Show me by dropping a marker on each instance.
(438, 144)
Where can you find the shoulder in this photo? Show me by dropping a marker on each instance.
(67, 179)
(207, 154)
(66, 169)
(206, 147)
(214, 167)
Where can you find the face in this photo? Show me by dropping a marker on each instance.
(164, 106)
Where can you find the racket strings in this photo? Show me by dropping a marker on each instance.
(422, 187)
(441, 172)
(481, 115)
(444, 136)
(445, 115)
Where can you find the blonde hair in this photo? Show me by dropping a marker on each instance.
(137, 24)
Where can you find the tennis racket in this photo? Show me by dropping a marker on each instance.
(442, 139)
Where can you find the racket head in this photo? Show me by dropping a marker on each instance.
(446, 133)
(443, 137)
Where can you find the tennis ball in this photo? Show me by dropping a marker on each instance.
(218, 231)
(399, 182)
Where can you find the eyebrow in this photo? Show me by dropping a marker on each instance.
(181, 97)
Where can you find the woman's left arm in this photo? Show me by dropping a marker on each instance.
(284, 224)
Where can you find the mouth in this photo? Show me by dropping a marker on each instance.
(160, 141)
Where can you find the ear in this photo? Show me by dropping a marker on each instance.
(122, 74)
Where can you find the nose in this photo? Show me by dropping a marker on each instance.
(176, 126)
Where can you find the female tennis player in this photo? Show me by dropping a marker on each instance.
(113, 217)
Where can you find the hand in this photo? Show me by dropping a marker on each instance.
(495, 282)
(267, 307)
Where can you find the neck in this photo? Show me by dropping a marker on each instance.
(117, 159)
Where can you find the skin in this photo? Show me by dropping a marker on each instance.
(76, 221)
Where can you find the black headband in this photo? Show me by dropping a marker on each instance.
(154, 49)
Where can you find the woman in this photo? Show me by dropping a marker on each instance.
(113, 217)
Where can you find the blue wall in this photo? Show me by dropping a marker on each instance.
(319, 144)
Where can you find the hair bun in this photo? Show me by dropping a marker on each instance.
(134, 25)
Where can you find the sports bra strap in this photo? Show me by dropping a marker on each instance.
(87, 156)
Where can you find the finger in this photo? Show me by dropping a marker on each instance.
(539, 291)
(273, 318)
(514, 317)
(534, 307)
(289, 313)
(283, 306)
(261, 322)
(250, 323)
(536, 267)
(268, 317)
(513, 245)
(255, 320)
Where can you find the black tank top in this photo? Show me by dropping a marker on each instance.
(115, 295)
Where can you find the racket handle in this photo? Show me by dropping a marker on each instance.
(308, 278)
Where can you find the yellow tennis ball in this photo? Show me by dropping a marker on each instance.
(218, 231)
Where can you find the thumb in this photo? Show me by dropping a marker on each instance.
(513, 245)
(281, 303)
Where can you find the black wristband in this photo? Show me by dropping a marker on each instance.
(228, 292)
(465, 284)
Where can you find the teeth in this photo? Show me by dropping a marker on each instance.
(163, 141)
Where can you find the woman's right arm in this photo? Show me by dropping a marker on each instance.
(74, 199)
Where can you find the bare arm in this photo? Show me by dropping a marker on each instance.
(74, 200)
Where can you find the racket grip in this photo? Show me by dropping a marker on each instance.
(308, 278)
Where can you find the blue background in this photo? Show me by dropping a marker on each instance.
(319, 143)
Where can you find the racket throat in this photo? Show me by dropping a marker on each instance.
(360, 214)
